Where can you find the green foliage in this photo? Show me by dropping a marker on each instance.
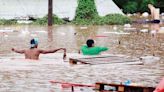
(86, 14)
(130, 7)
(7, 22)
(144, 5)
(113, 19)
(86, 10)
(44, 20)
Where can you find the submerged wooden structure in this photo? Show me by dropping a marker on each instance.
(106, 87)
(104, 60)
(122, 88)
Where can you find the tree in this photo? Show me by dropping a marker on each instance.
(131, 6)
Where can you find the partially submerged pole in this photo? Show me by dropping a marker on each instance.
(50, 12)
(50, 21)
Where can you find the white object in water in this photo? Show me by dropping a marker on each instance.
(24, 21)
(144, 30)
(127, 25)
(122, 33)
(83, 28)
(130, 29)
(62, 33)
(134, 14)
(162, 14)
(6, 36)
(33, 35)
(149, 59)
(6, 30)
(145, 14)
(145, 25)
(41, 31)
(110, 32)
(24, 33)
(114, 28)
(118, 33)
(153, 32)
(162, 28)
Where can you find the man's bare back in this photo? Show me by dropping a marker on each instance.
(34, 52)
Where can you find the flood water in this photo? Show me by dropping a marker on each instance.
(17, 74)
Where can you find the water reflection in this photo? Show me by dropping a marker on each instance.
(50, 35)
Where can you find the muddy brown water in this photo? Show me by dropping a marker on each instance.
(17, 74)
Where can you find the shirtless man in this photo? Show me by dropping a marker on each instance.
(33, 53)
(154, 13)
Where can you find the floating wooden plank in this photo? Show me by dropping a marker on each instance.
(122, 88)
(104, 60)
(72, 84)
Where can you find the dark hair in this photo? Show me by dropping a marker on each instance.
(90, 42)
(32, 41)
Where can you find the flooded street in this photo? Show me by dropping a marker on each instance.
(138, 41)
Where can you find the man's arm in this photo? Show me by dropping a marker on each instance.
(18, 51)
(103, 48)
(53, 51)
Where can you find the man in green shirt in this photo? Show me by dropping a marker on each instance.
(90, 49)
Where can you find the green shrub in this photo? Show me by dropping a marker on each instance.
(44, 20)
(7, 22)
(113, 19)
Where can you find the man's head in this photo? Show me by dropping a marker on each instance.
(150, 5)
(90, 42)
(34, 43)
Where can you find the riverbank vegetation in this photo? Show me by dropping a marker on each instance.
(44, 20)
(86, 14)
(8, 22)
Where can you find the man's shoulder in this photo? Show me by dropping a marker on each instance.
(84, 46)
(35, 49)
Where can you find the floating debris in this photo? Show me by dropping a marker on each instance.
(118, 33)
(145, 14)
(115, 28)
(127, 25)
(41, 31)
(24, 21)
(6, 35)
(33, 35)
(149, 59)
(6, 30)
(62, 33)
(130, 29)
(83, 28)
(144, 30)
(153, 32)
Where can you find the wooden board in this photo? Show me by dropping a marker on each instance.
(122, 88)
(104, 60)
